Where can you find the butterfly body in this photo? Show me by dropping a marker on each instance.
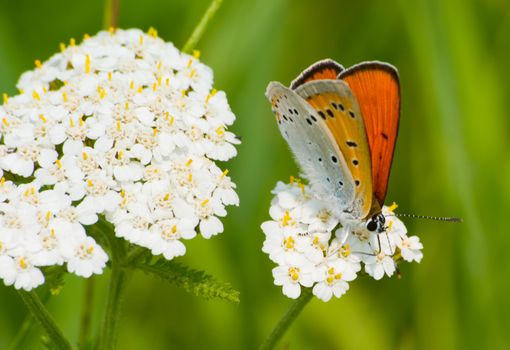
(341, 126)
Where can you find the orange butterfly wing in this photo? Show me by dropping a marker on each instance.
(324, 69)
(377, 89)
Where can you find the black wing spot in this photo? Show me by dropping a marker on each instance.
(341, 106)
(290, 111)
(352, 144)
(384, 136)
(313, 118)
(330, 113)
(323, 116)
(285, 117)
(295, 111)
(309, 121)
(351, 113)
(340, 183)
(355, 162)
(320, 159)
(335, 106)
(333, 159)
(292, 120)
(357, 182)
(328, 179)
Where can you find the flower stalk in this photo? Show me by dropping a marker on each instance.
(41, 314)
(86, 314)
(111, 14)
(201, 26)
(288, 318)
(111, 316)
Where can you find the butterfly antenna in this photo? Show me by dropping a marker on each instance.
(436, 218)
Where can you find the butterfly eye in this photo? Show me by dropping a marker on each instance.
(376, 223)
(372, 225)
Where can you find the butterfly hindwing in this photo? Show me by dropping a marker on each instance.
(313, 146)
(377, 90)
(339, 112)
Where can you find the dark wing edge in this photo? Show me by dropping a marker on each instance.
(323, 69)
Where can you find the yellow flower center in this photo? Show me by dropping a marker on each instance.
(294, 273)
(288, 243)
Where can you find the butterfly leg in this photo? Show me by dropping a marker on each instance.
(392, 251)
(379, 242)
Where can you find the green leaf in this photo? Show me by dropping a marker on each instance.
(194, 281)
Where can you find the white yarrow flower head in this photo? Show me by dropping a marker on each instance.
(122, 127)
(315, 249)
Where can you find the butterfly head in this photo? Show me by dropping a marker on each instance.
(376, 223)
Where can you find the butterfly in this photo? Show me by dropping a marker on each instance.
(341, 125)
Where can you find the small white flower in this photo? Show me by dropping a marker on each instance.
(379, 264)
(166, 235)
(84, 256)
(313, 245)
(277, 244)
(334, 282)
(292, 277)
(20, 272)
(318, 216)
(410, 248)
(207, 211)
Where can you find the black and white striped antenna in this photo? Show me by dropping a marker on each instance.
(427, 217)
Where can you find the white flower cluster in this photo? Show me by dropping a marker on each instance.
(312, 249)
(122, 125)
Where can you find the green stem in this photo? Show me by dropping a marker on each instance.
(21, 335)
(287, 319)
(86, 313)
(41, 314)
(201, 26)
(109, 327)
(111, 14)
(26, 326)
(133, 255)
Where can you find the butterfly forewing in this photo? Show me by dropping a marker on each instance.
(340, 113)
(377, 90)
(313, 146)
(324, 69)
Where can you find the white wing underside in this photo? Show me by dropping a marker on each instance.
(313, 146)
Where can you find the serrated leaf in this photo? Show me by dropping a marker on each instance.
(194, 281)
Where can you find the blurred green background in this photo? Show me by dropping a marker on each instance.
(451, 159)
